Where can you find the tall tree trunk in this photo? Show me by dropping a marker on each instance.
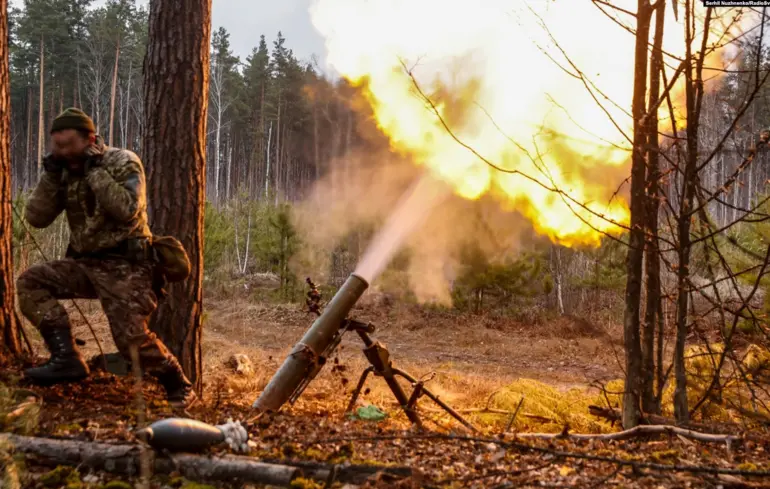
(112, 95)
(176, 82)
(9, 323)
(346, 177)
(693, 97)
(217, 143)
(229, 168)
(631, 320)
(127, 142)
(267, 170)
(40, 124)
(51, 109)
(262, 133)
(557, 275)
(28, 153)
(278, 147)
(650, 402)
(316, 152)
(79, 101)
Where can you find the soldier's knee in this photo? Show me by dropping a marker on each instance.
(34, 299)
(25, 290)
(28, 280)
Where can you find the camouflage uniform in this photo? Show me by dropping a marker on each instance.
(106, 208)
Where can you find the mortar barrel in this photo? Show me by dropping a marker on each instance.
(304, 354)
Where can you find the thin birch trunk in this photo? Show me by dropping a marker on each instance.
(113, 94)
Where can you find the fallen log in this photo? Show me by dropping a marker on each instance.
(502, 412)
(654, 419)
(614, 415)
(637, 431)
(124, 459)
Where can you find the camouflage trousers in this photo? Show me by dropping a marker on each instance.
(123, 288)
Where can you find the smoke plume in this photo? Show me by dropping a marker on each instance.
(411, 212)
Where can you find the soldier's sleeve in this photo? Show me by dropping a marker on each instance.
(121, 194)
(46, 202)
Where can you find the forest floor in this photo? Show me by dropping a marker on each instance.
(476, 361)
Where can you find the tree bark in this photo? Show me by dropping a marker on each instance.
(176, 69)
(631, 320)
(650, 402)
(10, 343)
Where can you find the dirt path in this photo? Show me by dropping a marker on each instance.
(560, 354)
(471, 355)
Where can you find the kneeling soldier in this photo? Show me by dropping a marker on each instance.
(102, 191)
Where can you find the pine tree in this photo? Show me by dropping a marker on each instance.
(9, 323)
(256, 86)
(174, 153)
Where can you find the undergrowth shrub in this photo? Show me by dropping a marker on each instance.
(10, 475)
(548, 409)
(17, 414)
(244, 238)
(508, 283)
(737, 397)
(545, 408)
(733, 396)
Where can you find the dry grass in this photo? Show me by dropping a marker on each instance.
(10, 477)
(736, 397)
(544, 408)
(18, 412)
(471, 357)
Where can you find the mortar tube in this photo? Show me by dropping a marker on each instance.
(316, 339)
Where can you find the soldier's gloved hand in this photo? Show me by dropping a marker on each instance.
(52, 163)
(94, 158)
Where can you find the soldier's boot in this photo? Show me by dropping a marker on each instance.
(66, 363)
(179, 389)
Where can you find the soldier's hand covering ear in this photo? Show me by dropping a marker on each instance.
(120, 191)
(52, 163)
(94, 157)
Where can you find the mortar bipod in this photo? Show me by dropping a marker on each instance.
(379, 364)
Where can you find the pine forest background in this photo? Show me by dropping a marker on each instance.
(277, 126)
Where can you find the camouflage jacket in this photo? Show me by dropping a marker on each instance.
(104, 207)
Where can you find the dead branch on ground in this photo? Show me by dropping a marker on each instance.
(125, 459)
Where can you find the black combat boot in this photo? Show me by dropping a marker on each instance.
(179, 390)
(65, 365)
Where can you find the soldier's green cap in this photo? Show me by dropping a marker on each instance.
(73, 118)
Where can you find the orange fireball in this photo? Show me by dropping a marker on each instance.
(541, 89)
